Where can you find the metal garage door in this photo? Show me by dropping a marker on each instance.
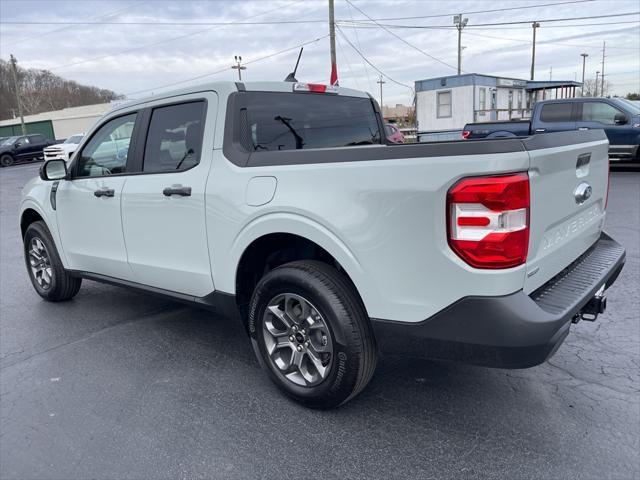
(44, 127)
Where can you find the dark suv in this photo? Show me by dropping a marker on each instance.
(24, 148)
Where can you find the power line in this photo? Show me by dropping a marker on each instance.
(226, 69)
(370, 63)
(366, 70)
(551, 42)
(107, 15)
(402, 39)
(276, 22)
(519, 22)
(141, 47)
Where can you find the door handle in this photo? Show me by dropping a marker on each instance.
(177, 190)
(105, 192)
(583, 128)
(540, 130)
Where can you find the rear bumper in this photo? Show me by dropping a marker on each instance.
(512, 331)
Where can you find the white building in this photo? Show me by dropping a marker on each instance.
(57, 124)
(446, 104)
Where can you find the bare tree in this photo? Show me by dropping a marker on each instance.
(590, 87)
(42, 91)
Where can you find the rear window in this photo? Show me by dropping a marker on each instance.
(291, 121)
(556, 112)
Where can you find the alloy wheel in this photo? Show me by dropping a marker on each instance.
(40, 263)
(297, 339)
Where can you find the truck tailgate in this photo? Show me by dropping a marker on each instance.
(568, 174)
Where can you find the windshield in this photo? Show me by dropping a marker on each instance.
(629, 105)
(74, 139)
(10, 141)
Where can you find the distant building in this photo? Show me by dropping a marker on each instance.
(400, 114)
(448, 103)
(57, 124)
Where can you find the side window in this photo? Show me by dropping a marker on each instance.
(107, 151)
(444, 104)
(174, 140)
(37, 139)
(556, 112)
(599, 112)
(23, 141)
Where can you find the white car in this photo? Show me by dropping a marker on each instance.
(282, 206)
(65, 149)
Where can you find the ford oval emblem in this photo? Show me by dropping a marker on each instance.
(582, 193)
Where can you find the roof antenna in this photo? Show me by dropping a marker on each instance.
(292, 76)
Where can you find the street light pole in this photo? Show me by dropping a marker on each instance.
(460, 23)
(535, 26)
(16, 86)
(238, 66)
(584, 63)
(381, 82)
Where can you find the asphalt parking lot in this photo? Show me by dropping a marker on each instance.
(117, 384)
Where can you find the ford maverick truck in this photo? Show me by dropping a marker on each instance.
(283, 206)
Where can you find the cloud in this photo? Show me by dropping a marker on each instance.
(130, 58)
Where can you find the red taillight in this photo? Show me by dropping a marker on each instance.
(488, 220)
(466, 134)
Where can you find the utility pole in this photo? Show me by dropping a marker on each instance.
(14, 69)
(460, 23)
(550, 72)
(604, 45)
(584, 63)
(535, 26)
(332, 44)
(238, 66)
(381, 82)
(596, 92)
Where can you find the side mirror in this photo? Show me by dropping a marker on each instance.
(17, 144)
(53, 170)
(620, 119)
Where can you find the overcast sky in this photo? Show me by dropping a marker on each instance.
(139, 59)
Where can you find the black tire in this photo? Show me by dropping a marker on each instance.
(354, 355)
(6, 160)
(62, 286)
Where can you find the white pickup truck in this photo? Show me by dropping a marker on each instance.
(282, 205)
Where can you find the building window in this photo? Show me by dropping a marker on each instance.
(483, 100)
(444, 104)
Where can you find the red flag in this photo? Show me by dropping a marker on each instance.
(334, 74)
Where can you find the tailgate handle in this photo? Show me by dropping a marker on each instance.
(583, 160)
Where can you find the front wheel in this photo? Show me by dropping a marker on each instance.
(311, 333)
(46, 272)
(6, 160)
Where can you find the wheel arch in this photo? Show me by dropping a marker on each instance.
(270, 242)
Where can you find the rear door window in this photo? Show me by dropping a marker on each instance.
(556, 112)
(292, 121)
(174, 139)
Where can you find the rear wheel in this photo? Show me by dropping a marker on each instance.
(46, 272)
(6, 160)
(311, 333)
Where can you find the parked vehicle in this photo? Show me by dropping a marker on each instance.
(65, 149)
(23, 148)
(394, 135)
(281, 205)
(619, 118)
